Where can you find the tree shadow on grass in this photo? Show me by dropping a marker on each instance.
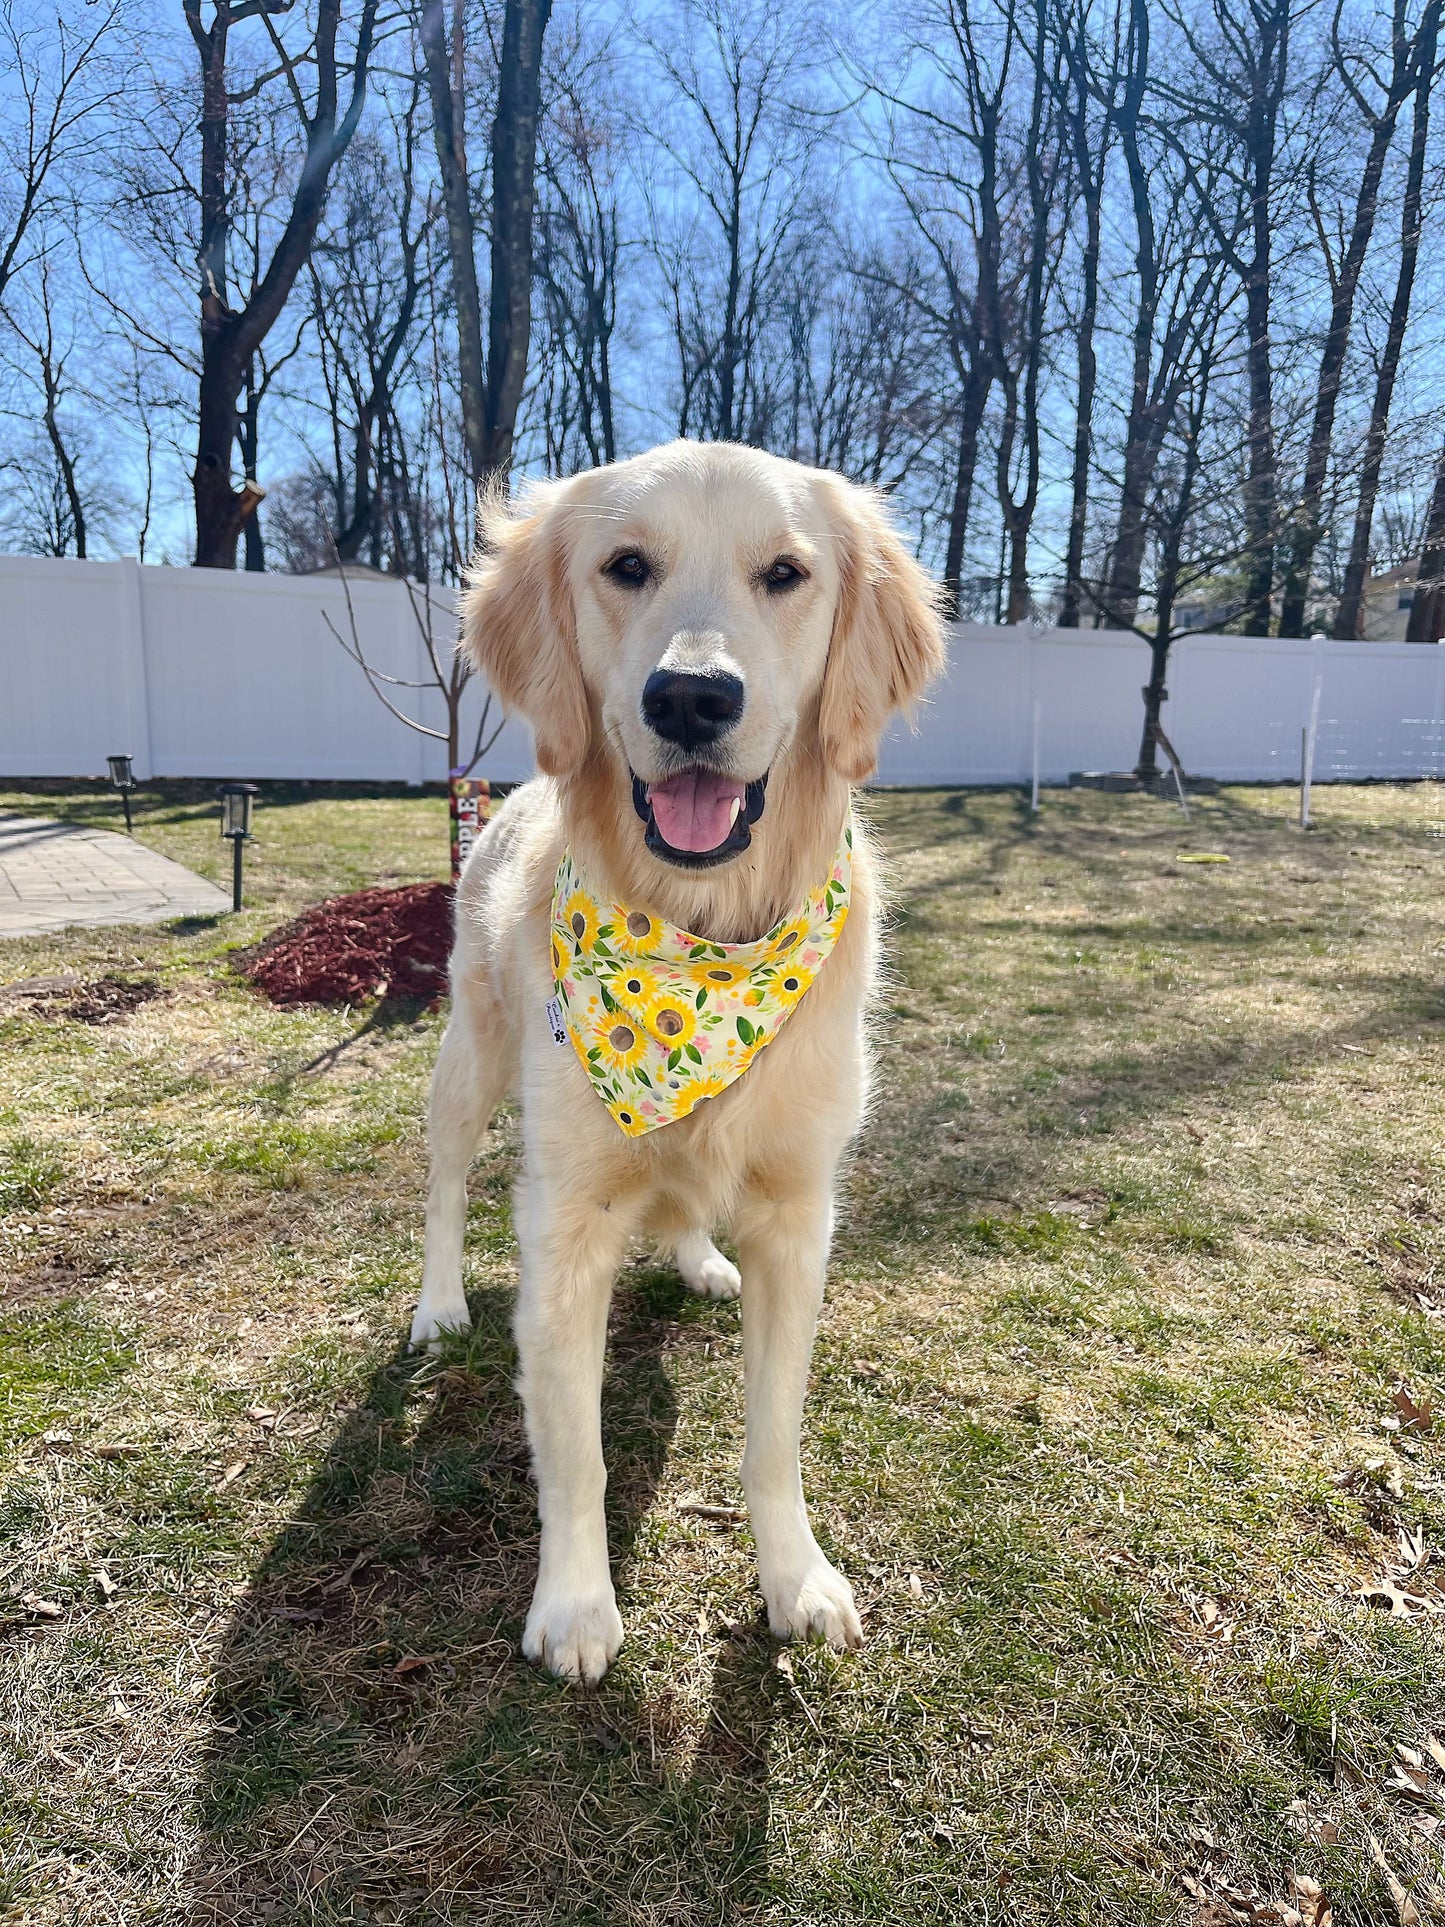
(381, 1752)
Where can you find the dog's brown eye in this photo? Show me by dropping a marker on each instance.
(783, 575)
(629, 568)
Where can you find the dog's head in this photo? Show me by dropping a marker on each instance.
(700, 614)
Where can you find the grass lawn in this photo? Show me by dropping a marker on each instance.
(1120, 1411)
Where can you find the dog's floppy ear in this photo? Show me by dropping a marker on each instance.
(887, 643)
(519, 624)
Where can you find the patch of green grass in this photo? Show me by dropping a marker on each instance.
(29, 1174)
(51, 1362)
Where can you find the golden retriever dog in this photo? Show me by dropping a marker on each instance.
(708, 643)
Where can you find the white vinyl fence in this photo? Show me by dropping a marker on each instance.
(196, 672)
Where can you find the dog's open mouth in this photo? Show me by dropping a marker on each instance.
(700, 816)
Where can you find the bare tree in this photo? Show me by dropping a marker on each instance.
(1087, 101)
(1019, 321)
(949, 179)
(367, 273)
(1354, 65)
(1427, 608)
(58, 83)
(231, 337)
(491, 390)
(1349, 613)
(580, 257)
(1177, 270)
(1174, 507)
(1241, 53)
(65, 532)
(725, 217)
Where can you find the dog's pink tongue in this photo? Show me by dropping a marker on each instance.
(694, 811)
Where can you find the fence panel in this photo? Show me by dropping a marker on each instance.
(200, 673)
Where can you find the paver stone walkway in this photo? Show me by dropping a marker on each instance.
(53, 875)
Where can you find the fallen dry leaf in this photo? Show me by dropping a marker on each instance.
(784, 1663)
(39, 1608)
(1435, 1749)
(1412, 1550)
(1406, 1910)
(1399, 1605)
(1298, 1815)
(414, 1662)
(915, 1585)
(1213, 1623)
(105, 1585)
(1415, 1414)
(261, 1415)
(233, 1472)
(116, 1451)
(1314, 1906)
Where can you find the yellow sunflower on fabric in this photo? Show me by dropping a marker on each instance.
(702, 1087)
(672, 1020)
(621, 1042)
(635, 932)
(579, 913)
(788, 938)
(788, 986)
(633, 988)
(715, 974)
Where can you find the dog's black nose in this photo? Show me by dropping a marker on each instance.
(691, 710)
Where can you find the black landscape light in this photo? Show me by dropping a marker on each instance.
(236, 827)
(123, 777)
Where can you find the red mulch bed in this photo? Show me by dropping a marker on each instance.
(392, 944)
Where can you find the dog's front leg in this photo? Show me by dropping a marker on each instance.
(783, 1244)
(570, 1253)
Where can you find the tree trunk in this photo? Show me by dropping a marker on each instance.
(1259, 481)
(1350, 616)
(975, 400)
(1155, 697)
(449, 131)
(1332, 358)
(1427, 611)
(514, 193)
(230, 338)
(1141, 442)
(491, 394)
(1092, 177)
(1072, 606)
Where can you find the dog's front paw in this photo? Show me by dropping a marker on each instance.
(819, 1601)
(575, 1638)
(432, 1320)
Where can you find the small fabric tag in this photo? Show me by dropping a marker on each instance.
(556, 1020)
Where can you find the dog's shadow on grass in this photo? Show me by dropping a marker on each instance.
(380, 1750)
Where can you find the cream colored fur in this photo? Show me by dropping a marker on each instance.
(824, 667)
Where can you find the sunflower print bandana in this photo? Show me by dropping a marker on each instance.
(662, 1020)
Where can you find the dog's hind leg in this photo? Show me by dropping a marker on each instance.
(704, 1269)
(472, 1072)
